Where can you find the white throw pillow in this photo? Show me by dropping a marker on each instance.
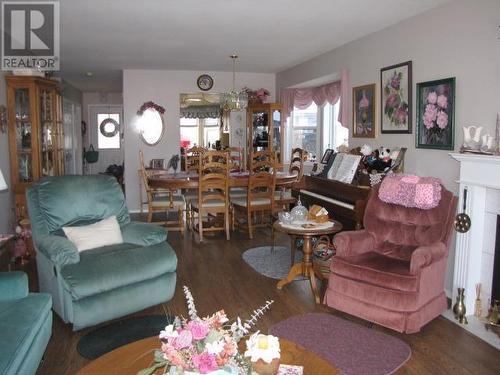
(103, 233)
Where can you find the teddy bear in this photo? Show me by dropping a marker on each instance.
(383, 160)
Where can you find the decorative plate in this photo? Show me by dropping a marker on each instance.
(205, 82)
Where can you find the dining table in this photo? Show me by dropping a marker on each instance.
(189, 179)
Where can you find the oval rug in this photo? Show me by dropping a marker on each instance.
(351, 348)
(273, 263)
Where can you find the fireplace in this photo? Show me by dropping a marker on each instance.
(495, 285)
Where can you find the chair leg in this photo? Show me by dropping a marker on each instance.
(226, 224)
(180, 213)
(293, 250)
(233, 214)
(249, 224)
(200, 226)
(150, 215)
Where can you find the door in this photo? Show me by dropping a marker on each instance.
(106, 135)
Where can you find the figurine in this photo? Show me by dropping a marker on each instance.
(472, 136)
(173, 163)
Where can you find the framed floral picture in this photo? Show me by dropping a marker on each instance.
(395, 87)
(363, 111)
(436, 114)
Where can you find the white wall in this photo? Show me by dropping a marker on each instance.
(6, 203)
(459, 39)
(163, 87)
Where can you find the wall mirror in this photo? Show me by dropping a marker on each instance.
(151, 124)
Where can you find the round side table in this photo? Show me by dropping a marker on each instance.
(305, 268)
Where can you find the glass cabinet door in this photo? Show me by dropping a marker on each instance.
(260, 130)
(23, 134)
(47, 129)
(277, 133)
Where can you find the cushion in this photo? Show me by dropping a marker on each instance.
(374, 268)
(103, 233)
(164, 201)
(411, 191)
(242, 201)
(209, 203)
(111, 267)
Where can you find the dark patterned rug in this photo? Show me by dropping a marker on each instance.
(111, 336)
(273, 263)
(349, 347)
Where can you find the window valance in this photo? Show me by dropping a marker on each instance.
(201, 111)
(331, 93)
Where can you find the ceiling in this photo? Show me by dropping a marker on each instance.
(106, 36)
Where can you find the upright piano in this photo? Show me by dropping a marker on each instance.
(344, 202)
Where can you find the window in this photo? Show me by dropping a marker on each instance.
(108, 142)
(199, 132)
(315, 129)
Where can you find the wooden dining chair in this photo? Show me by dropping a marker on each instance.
(192, 158)
(213, 194)
(283, 194)
(162, 200)
(260, 194)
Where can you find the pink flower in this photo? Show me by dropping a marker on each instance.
(184, 339)
(442, 119)
(430, 115)
(198, 330)
(432, 97)
(400, 115)
(205, 362)
(173, 356)
(392, 101)
(442, 101)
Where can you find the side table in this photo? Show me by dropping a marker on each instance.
(306, 268)
(6, 250)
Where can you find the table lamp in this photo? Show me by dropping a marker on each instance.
(3, 184)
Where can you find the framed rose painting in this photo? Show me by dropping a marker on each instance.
(436, 114)
(363, 111)
(395, 87)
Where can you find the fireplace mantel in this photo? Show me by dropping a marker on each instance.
(480, 175)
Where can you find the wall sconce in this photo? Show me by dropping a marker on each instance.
(3, 118)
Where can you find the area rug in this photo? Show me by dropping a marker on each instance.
(271, 263)
(349, 347)
(111, 336)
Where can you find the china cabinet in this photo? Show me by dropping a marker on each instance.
(265, 128)
(36, 138)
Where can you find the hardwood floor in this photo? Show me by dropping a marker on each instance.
(218, 278)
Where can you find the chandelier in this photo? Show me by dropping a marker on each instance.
(234, 100)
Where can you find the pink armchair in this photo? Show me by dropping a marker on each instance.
(392, 272)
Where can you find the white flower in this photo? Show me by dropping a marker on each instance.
(215, 347)
(263, 347)
(169, 332)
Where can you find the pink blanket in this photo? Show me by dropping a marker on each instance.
(411, 191)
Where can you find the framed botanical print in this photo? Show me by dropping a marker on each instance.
(363, 111)
(436, 114)
(395, 98)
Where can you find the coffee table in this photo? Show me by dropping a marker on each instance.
(129, 359)
(305, 268)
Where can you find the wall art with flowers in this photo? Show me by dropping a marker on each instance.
(396, 86)
(436, 114)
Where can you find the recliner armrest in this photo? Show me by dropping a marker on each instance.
(423, 256)
(354, 243)
(13, 285)
(143, 234)
(58, 249)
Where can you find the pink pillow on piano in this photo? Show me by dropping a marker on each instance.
(411, 191)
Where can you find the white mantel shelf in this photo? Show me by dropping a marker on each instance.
(476, 158)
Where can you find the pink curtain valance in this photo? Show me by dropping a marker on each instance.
(331, 93)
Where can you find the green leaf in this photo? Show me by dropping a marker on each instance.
(150, 370)
(213, 336)
(158, 356)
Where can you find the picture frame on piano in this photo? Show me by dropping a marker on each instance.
(326, 156)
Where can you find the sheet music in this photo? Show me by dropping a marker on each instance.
(344, 167)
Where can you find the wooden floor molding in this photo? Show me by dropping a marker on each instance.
(219, 279)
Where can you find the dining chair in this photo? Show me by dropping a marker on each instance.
(162, 200)
(237, 165)
(260, 194)
(213, 194)
(192, 158)
(283, 194)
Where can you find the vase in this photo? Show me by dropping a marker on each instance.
(264, 368)
(459, 307)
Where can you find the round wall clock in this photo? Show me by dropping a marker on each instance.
(205, 82)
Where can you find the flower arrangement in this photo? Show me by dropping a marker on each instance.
(151, 105)
(396, 108)
(203, 345)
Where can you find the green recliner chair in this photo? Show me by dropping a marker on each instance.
(25, 325)
(97, 285)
